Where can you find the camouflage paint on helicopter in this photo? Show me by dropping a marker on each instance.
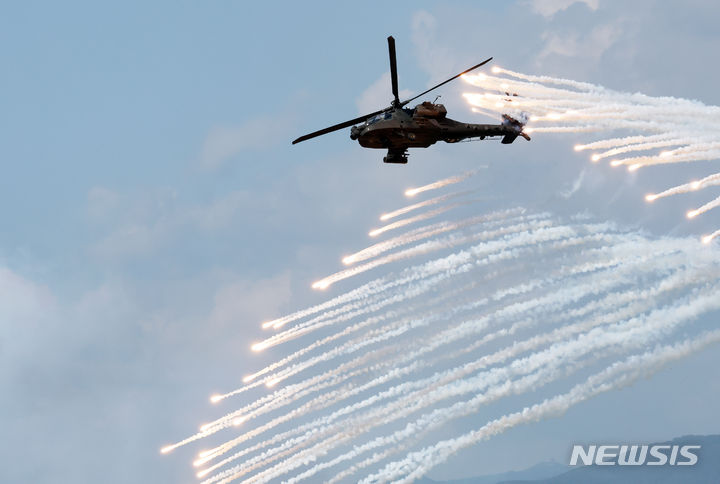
(397, 128)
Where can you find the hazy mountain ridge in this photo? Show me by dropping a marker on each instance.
(538, 471)
(707, 470)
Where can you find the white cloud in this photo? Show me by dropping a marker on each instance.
(102, 201)
(220, 212)
(434, 58)
(589, 46)
(548, 8)
(21, 298)
(140, 224)
(23, 307)
(107, 357)
(243, 302)
(223, 143)
(378, 95)
(131, 239)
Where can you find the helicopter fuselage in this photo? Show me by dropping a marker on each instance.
(399, 129)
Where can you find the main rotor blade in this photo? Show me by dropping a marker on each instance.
(338, 126)
(445, 82)
(393, 69)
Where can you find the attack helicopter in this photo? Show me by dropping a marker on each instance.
(397, 128)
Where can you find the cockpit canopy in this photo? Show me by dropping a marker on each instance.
(379, 117)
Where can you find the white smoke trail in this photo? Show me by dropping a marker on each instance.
(275, 378)
(595, 286)
(668, 157)
(705, 208)
(708, 238)
(490, 252)
(425, 203)
(229, 419)
(615, 376)
(322, 342)
(708, 181)
(355, 346)
(377, 286)
(447, 266)
(586, 343)
(373, 320)
(689, 128)
(582, 86)
(512, 302)
(432, 230)
(417, 218)
(626, 141)
(636, 147)
(411, 192)
(431, 418)
(428, 247)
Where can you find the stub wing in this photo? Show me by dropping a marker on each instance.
(508, 138)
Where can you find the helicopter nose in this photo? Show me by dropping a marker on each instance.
(355, 132)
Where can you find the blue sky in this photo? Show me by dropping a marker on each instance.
(154, 211)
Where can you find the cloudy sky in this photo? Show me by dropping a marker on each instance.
(154, 212)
